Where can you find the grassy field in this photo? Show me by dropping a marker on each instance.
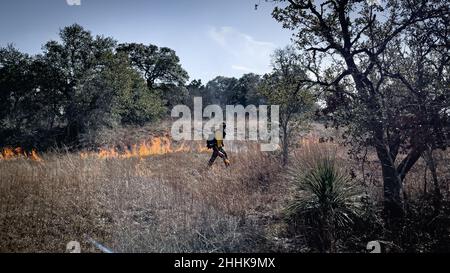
(173, 202)
(163, 203)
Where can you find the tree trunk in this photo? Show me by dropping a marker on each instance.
(392, 185)
(393, 178)
(72, 127)
(437, 196)
(392, 181)
(285, 147)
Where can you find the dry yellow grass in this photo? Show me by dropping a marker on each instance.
(167, 203)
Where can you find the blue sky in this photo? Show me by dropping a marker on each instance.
(211, 37)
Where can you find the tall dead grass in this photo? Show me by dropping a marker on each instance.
(174, 203)
(168, 203)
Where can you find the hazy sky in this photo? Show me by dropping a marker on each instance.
(211, 37)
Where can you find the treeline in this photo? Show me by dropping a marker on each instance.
(83, 83)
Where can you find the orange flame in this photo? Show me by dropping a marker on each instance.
(157, 146)
(9, 153)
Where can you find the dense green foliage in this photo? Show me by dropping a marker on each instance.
(229, 91)
(83, 84)
(73, 89)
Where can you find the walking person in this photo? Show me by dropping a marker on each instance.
(216, 143)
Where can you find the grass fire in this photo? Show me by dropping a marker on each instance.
(156, 146)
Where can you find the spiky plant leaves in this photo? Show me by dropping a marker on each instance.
(326, 201)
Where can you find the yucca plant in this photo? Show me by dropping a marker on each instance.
(326, 202)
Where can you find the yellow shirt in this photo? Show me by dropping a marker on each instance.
(219, 137)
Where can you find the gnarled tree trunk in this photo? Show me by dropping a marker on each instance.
(392, 186)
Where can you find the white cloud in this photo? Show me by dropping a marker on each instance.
(241, 68)
(73, 2)
(246, 53)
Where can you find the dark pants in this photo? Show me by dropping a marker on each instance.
(218, 151)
